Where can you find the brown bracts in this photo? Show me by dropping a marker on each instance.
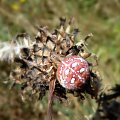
(38, 64)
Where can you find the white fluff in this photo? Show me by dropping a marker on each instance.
(8, 50)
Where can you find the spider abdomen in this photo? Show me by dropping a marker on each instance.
(73, 72)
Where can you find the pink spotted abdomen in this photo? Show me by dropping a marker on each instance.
(73, 72)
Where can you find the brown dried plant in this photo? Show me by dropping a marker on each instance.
(38, 60)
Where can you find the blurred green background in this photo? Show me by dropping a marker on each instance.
(100, 17)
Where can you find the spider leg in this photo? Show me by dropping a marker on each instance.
(84, 51)
(95, 58)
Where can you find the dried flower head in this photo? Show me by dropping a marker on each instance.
(39, 62)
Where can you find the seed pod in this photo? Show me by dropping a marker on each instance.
(73, 72)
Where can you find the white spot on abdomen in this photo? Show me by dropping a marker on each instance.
(82, 70)
(72, 80)
(74, 64)
(67, 72)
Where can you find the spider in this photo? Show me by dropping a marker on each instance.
(40, 61)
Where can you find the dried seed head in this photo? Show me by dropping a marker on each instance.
(52, 56)
(73, 72)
